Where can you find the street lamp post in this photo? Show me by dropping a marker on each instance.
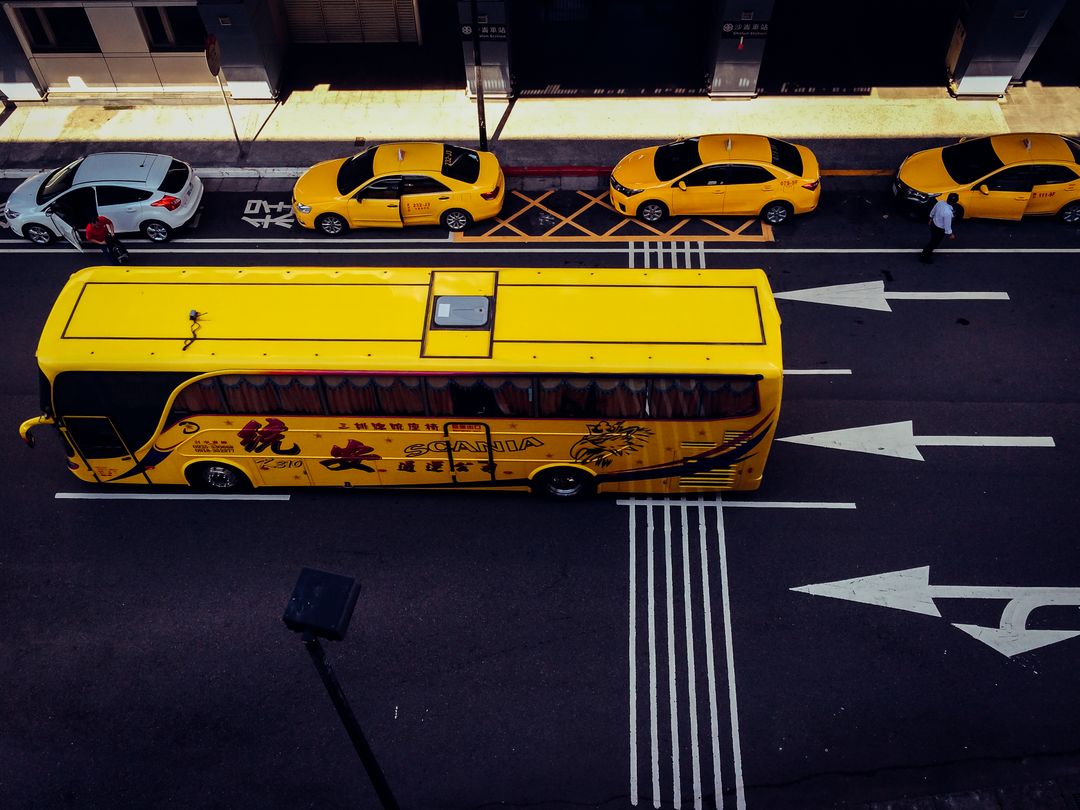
(322, 605)
(478, 77)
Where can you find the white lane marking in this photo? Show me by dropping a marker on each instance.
(688, 614)
(129, 496)
(753, 504)
(676, 778)
(652, 663)
(790, 372)
(633, 656)
(706, 595)
(142, 250)
(736, 747)
(701, 254)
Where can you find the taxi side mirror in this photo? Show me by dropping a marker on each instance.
(983, 190)
(682, 185)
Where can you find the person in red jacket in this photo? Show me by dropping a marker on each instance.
(101, 232)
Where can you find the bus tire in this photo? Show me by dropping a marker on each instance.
(777, 212)
(213, 476)
(563, 483)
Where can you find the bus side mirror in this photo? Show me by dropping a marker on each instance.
(25, 428)
(682, 185)
(983, 190)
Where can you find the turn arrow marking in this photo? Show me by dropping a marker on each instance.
(872, 295)
(911, 590)
(898, 439)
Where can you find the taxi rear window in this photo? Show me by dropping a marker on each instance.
(676, 158)
(968, 161)
(786, 156)
(1074, 147)
(460, 163)
(356, 170)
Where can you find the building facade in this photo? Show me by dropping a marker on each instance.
(724, 48)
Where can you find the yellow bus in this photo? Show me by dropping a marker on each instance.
(565, 382)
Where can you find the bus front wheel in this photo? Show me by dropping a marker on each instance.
(216, 477)
(563, 483)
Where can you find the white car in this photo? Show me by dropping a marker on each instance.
(155, 194)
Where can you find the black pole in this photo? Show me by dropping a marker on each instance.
(337, 697)
(478, 78)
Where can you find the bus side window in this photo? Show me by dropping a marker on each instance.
(675, 398)
(726, 397)
(298, 395)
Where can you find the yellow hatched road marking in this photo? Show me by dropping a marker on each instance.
(619, 232)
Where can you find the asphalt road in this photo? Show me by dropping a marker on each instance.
(511, 652)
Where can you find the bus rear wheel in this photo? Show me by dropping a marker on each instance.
(563, 483)
(213, 476)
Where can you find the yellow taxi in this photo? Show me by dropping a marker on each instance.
(737, 175)
(997, 177)
(398, 184)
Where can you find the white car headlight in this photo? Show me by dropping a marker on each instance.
(11, 214)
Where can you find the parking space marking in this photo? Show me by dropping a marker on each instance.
(611, 226)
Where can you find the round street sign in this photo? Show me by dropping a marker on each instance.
(213, 55)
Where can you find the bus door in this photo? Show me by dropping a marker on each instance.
(468, 451)
(95, 439)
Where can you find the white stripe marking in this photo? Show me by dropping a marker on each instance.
(633, 657)
(688, 613)
(736, 748)
(751, 504)
(128, 496)
(653, 730)
(676, 778)
(791, 372)
(714, 722)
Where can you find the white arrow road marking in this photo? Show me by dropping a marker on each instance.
(872, 295)
(911, 590)
(898, 439)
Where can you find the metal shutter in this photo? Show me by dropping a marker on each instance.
(318, 21)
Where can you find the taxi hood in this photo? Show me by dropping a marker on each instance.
(319, 183)
(925, 171)
(636, 170)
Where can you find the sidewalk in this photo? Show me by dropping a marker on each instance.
(847, 132)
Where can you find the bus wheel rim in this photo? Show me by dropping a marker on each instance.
(219, 476)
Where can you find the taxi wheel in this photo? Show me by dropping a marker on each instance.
(652, 211)
(1071, 213)
(563, 483)
(331, 224)
(456, 220)
(38, 234)
(778, 212)
(156, 231)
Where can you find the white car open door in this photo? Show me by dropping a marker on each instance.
(66, 231)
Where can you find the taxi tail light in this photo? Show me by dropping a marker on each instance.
(490, 195)
(168, 202)
(812, 185)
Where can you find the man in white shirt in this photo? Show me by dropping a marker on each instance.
(941, 217)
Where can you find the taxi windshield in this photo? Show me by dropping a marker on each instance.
(968, 161)
(460, 163)
(356, 170)
(676, 158)
(60, 180)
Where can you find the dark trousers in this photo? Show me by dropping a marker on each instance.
(936, 236)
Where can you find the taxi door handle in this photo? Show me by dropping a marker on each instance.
(392, 205)
(444, 198)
